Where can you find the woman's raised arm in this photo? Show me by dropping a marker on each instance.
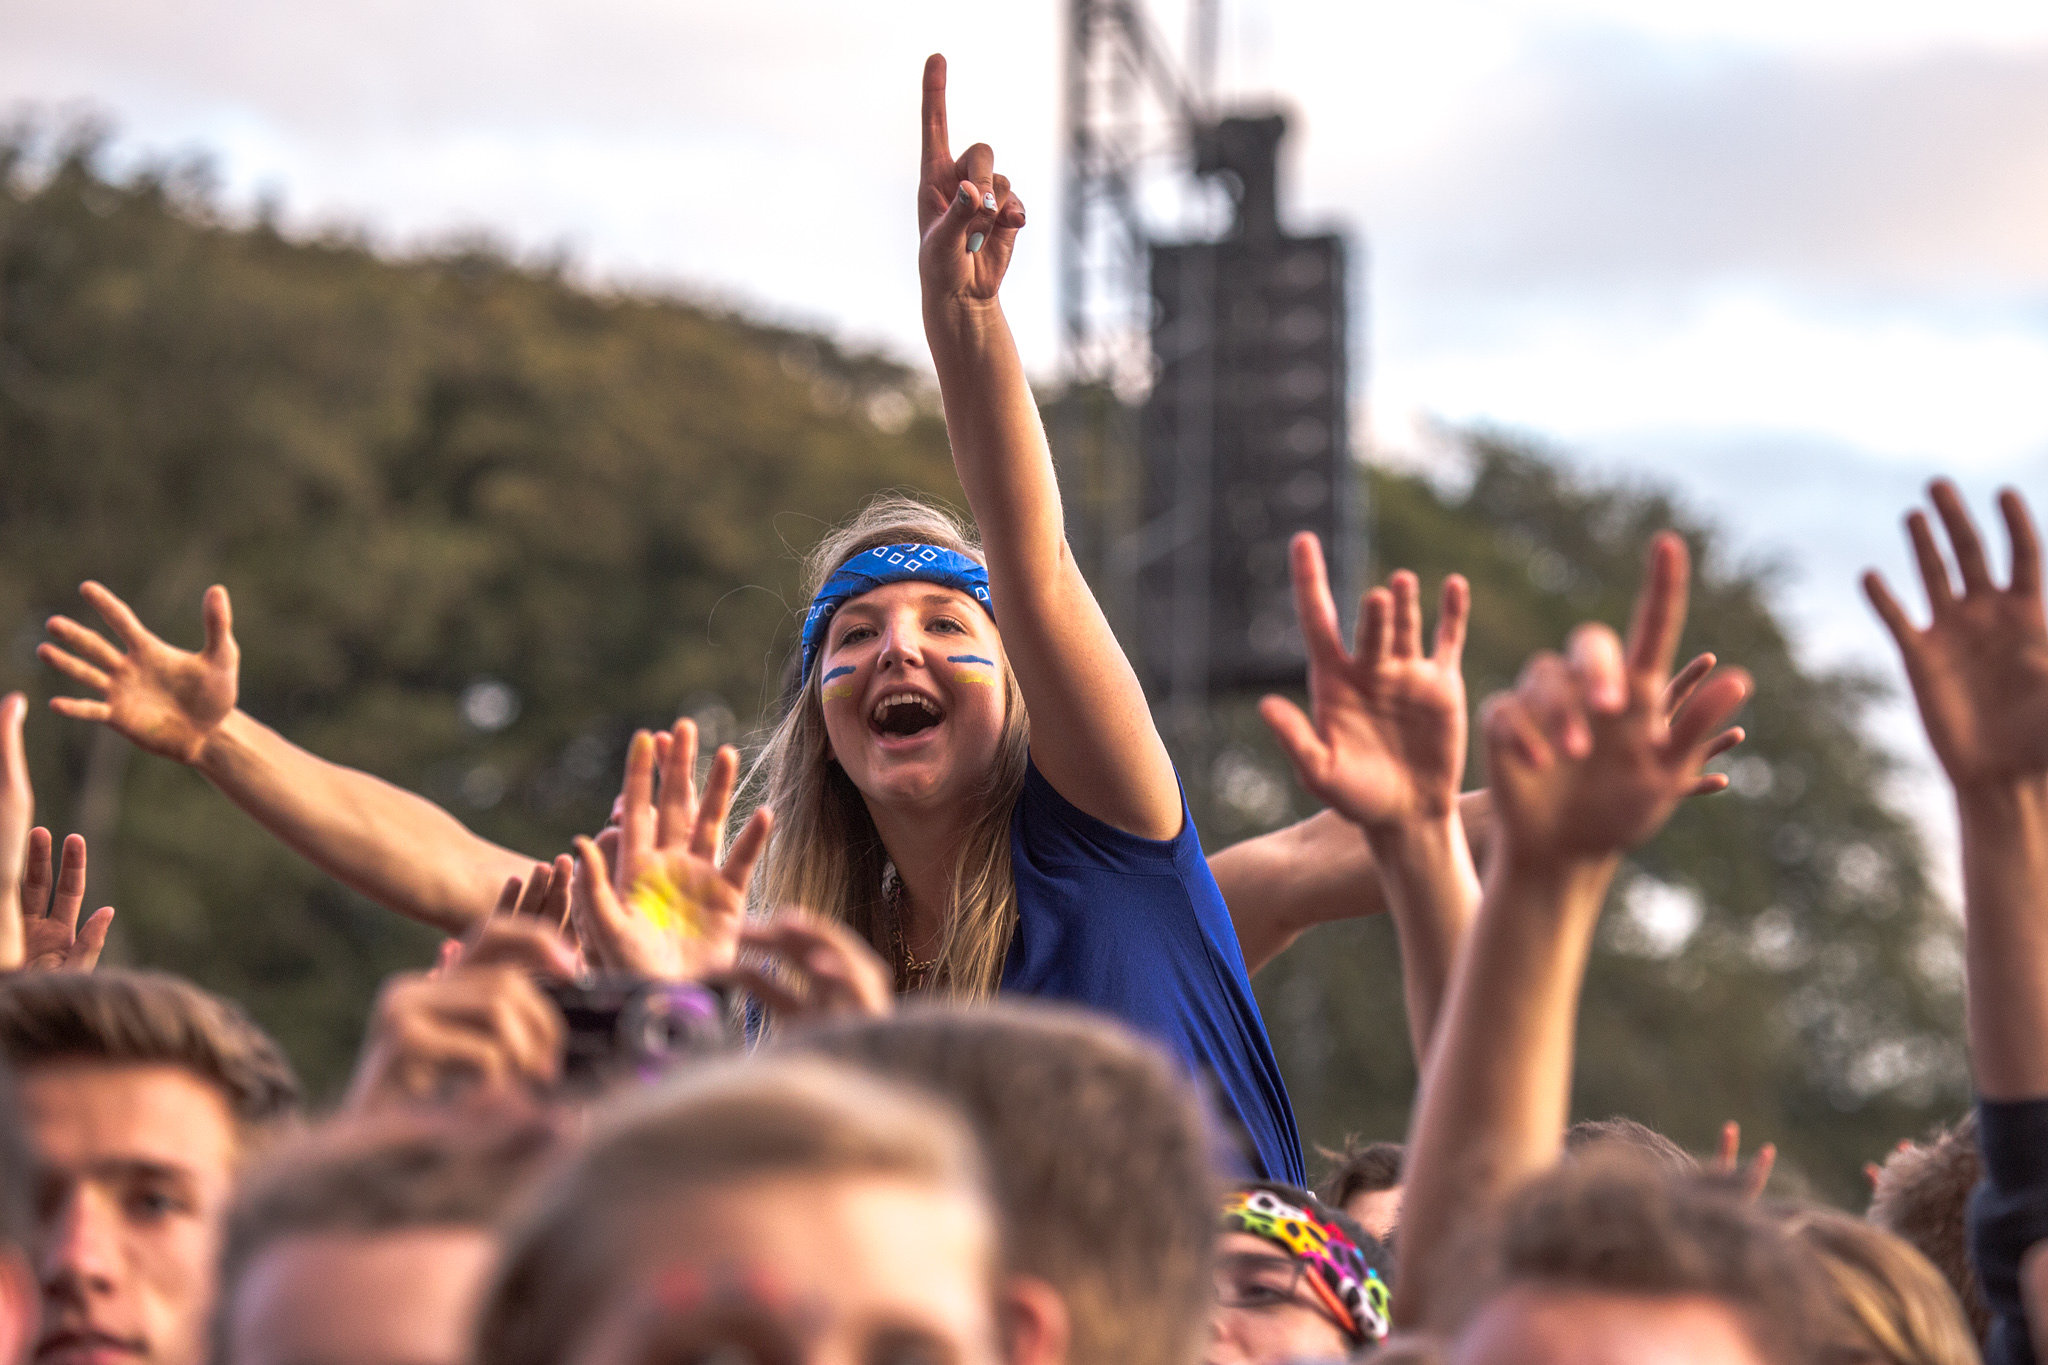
(400, 850)
(1091, 731)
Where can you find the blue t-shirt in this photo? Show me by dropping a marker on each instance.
(1137, 928)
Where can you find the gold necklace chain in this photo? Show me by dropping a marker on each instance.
(911, 970)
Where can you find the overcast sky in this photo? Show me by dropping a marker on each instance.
(1790, 255)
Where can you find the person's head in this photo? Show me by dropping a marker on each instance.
(1365, 1183)
(786, 1208)
(1610, 1259)
(17, 1228)
(1296, 1280)
(143, 1095)
(1896, 1308)
(1922, 1194)
(399, 1212)
(949, 747)
(1590, 1136)
(1100, 1152)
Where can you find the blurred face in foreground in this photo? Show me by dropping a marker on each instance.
(1533, 1326)
(911, 682)
(1265, 1313)
(861, 1270)
(392, 1298)
(134, 1168)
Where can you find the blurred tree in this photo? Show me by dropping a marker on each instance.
(480, 523)
(1775, 956)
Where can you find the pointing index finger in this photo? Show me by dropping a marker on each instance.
(937, 143)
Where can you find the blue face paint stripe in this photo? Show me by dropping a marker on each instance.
(838, 673)
(970, 659)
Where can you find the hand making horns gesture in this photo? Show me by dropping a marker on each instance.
(1584, 762)
(966, 215)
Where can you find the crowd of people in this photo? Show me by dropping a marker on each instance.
(946, 1051)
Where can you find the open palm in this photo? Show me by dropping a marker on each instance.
(1980, 669)
(669, 908)
(1384, 742)
(160, 698)
(1584, 760)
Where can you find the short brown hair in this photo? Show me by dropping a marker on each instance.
(1922, 1194)
(149, 1019)
(1100, 1152)
(1588, 1135)
(384, 1174)
(1615, 1222)
(1896, 1308)
(17, 1171)
(717, 1123)
(1361, 1169)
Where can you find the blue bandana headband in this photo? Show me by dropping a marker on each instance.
(885, 564)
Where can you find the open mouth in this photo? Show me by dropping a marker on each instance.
(902, 714)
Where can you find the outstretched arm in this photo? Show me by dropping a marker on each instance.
(1385, 747)
(17, 812)
(399, 849)
(1979, 672)
(1091, 731)
(1584, 766)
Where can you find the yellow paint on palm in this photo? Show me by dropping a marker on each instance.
(667, 906)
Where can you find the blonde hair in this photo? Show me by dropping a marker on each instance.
(826, 854)
(1892, 1299)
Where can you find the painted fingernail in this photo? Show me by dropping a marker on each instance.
(988, 201)
(974, 242)
(966, 195)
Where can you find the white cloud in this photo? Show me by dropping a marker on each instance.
(1900, 384)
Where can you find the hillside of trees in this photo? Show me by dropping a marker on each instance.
(480, 523)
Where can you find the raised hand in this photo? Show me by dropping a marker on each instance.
(967, 216)
(1385, 741)
(809, 970)
(477, 1029)
(666, 907)
(1584, 762)
(17, 811)
(51, 936)
(161, 698)
(1980, 669)
(1753, 1178)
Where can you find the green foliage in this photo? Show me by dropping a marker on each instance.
(412, 476)
(418, 475)
(1817, 1000)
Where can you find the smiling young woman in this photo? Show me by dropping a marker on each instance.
(967, 771)
(960, 757)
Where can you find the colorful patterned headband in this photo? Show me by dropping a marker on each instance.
(1343, 1282)
(885, 564)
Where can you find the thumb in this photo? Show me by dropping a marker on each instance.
(220, 628)
(85, 950)
(962, 217)
(1305, 748)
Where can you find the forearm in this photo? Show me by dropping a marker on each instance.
(1315, 871)
(1432, 891)
(2005, 902)
(998, 440)
(1497, 1089)
(397, 848)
